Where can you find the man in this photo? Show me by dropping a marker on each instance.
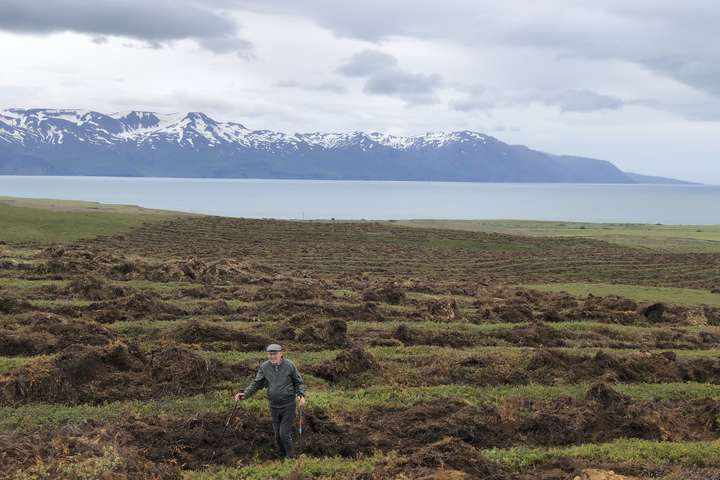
(284, 383)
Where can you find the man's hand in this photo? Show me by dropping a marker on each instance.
(302, 401)
(240, 396)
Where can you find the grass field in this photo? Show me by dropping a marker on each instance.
(425, 351)
(667, 238)
(640, 293)
(59, 221)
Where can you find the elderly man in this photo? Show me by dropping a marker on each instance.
(284, 383)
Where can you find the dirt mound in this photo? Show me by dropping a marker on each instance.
(607, 398)
(314, 309)
(294, 290)
(557, 422)
(217, 307)
(198, 441)
(94, 288)
(550, 366)
(348, 365)
(57, 454)
(595, 474)
(653, 312)
(194, 269)
(445, 459)
(391, 293)
(335, 332)
(137, 306)
(85, 374)
(410, 336)
(609, 302)
(536, 334)
(201, 291)
(216, 336)
(314, 334)
(515, 313)
(444, 310)
(74, 259)
(13, 305)
(47, 333)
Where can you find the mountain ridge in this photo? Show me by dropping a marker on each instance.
(144, 143)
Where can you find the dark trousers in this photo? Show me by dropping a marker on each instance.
(282, 421)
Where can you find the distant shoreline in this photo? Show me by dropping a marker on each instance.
(672, 182)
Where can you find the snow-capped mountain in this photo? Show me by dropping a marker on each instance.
(134, 143)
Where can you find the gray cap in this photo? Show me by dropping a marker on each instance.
(273, 347)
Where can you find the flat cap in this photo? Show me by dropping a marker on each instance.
(273, 347)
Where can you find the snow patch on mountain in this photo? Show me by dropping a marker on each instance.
(195, 130)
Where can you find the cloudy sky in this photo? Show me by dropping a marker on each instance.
(636, 82)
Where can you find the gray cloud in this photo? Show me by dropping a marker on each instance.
(366, 63)
(384, 77)
(470, 104)
(583, 101)
(633, 31)
(156, 22)
(321, 87)
(414, 88)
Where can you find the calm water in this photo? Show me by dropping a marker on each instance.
(311, 199)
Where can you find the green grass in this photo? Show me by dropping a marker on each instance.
(56, 221)
(679, 296)
(644, 452)
(10, 363)
(21, 283)
(670, 238)
(47, 303)
(338, 399)
(161, 287)
(317, 468)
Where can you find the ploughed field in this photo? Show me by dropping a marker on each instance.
(427, 353)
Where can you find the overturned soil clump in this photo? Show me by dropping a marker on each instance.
(201, 440)
(348, 365)
(392, 293)
(47, 333)
(57, 454)
(194, 269)
(536, 334)
(295, 290)
(411, 336)
(95, 288)
(602, 416)
(444, 310)
(217, 337)
(137, 306)
(86, 259)
(313, 335)
(9, 304)
(85, 374)
(446, 459)
(551, 366)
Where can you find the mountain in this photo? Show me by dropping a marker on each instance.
(82, 142)
(649, 179)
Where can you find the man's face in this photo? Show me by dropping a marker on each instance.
(274, 357)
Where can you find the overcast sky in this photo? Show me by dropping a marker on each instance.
(636, 82)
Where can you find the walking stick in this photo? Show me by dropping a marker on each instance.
(222, 436)
(301, 418)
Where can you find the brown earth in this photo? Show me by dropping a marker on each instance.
(118, 371)
(214, 336)
(47, 333)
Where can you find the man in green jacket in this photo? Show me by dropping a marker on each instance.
(284, 383)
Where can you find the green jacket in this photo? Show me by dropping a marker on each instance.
(283, 382)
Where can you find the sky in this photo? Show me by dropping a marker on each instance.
(635, 82)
